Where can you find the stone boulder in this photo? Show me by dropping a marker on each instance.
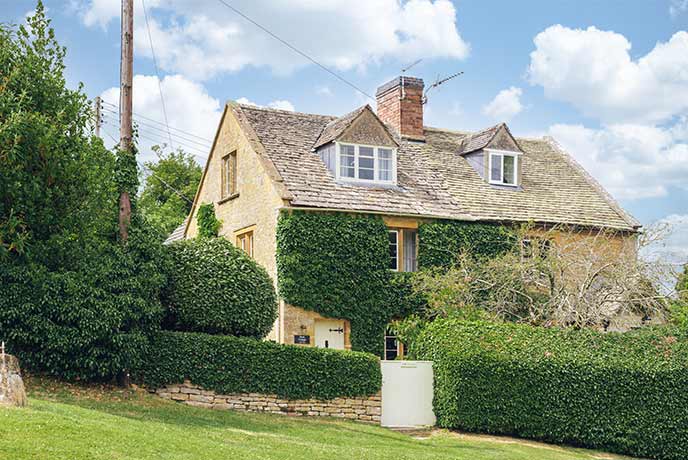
(12, 391)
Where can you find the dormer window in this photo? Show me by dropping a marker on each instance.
(503, 167)
(365, 163)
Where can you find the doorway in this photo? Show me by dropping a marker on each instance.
(329, 333)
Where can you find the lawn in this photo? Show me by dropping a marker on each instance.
(78, 422)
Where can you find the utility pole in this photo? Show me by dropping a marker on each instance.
(125, 127)
(99, 119)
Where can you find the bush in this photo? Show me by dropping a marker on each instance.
(216, 288)
(625, 393)
(228, 364)
(90, 322)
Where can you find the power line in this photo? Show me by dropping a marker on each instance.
(152, 174)
(149, 126)
(115, 109)
(153, 137)
(295, 49)
(157, 72)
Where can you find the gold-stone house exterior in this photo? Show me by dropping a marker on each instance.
(388, 163)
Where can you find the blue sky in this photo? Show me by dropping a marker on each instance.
(608, 79)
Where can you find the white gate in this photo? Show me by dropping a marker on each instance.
(407, 390)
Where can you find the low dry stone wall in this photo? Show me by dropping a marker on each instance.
(367, 409)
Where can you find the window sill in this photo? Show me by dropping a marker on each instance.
(228, 198)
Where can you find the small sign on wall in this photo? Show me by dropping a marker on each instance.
(302, 339)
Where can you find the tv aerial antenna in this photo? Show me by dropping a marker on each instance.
(403, 72)
(437, 83)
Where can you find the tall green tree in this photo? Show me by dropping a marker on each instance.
(54, 174)
(169, 190)
(73, 301)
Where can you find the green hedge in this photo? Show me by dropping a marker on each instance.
(216, 288)
(442, 241)
(229, 364)
(626, 393)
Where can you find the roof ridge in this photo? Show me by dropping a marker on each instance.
(286, 112)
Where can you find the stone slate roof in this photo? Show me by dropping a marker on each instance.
(334, 128)
(434, 179)
(177, 234)
(480, 140)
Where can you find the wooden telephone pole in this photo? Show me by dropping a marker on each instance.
(125, 126)
(99, 116)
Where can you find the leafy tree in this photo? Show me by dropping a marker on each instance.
(169, 190)
(679, 307)
(54, 177)
(74, 303)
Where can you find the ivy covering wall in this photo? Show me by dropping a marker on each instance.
(441, 241)
(337, 265)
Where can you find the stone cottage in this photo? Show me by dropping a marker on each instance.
(387, 163)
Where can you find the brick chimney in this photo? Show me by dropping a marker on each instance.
(401, 106)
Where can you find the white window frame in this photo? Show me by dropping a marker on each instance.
(397, 232)
(376, 166)
(503, 153)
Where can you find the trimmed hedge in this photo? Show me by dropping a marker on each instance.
(216, 288)
(626, 393)
(229, 364)
(442, 241)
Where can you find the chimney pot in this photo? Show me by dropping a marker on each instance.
(400, 105)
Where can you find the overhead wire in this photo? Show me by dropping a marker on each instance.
(206, 145)
(296, 50)
(157, 72)
(154, 137)
(114, 109)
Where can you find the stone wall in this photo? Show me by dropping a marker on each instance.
(365, 409)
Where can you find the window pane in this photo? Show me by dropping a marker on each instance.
(384, 164)
(365, 152)
(509, 170)
(366, 174)
(347, 161)
(410, 263)
(393, 250)
(496, 169)
(365, 163)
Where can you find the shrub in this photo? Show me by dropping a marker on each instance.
(228, 364)
(216, 288)
(625, 393)
(89, 322)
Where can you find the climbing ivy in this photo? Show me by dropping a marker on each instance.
(337, 265)
(208, 224)
(442, 241)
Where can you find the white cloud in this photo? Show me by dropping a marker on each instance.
(671, 248)
(201, 39)
(323, 91)
(276, 104)
(189, 108)
(678, 7)
(631, 161)
(100, 12)
(282, 105)
(505, 105)
(593, 70)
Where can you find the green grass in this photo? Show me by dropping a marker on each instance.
(78, 422)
